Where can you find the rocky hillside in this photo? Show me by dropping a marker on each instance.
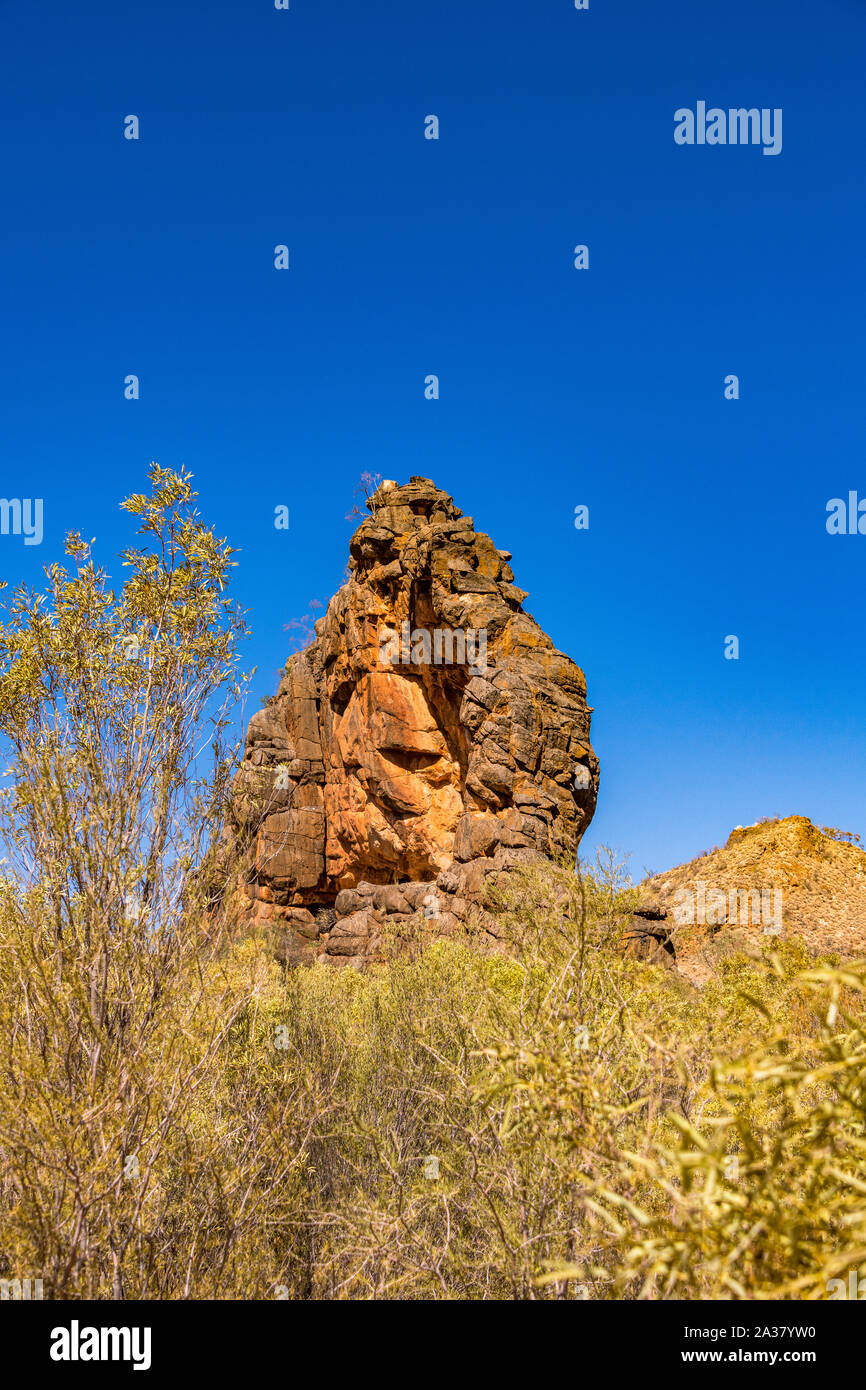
(431, 735)
(779, 877)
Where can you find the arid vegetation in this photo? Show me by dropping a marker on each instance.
(181, 1117)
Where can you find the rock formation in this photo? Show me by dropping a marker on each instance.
(430, 735)
(648, 937)
(779, 878)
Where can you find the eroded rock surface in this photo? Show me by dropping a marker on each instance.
(648, 938)
(778, 879)
(385, 779)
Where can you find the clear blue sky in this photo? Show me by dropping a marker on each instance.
(558, 387)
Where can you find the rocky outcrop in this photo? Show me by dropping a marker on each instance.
(778, 879)
(430, 736)
(647, 936)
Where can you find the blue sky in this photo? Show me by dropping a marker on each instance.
(558, 387)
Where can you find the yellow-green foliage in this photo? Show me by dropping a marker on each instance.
(582, 1111)
(600, 1130)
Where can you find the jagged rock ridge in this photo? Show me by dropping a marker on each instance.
(430, 735)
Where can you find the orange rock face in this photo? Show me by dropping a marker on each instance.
(430, 735)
